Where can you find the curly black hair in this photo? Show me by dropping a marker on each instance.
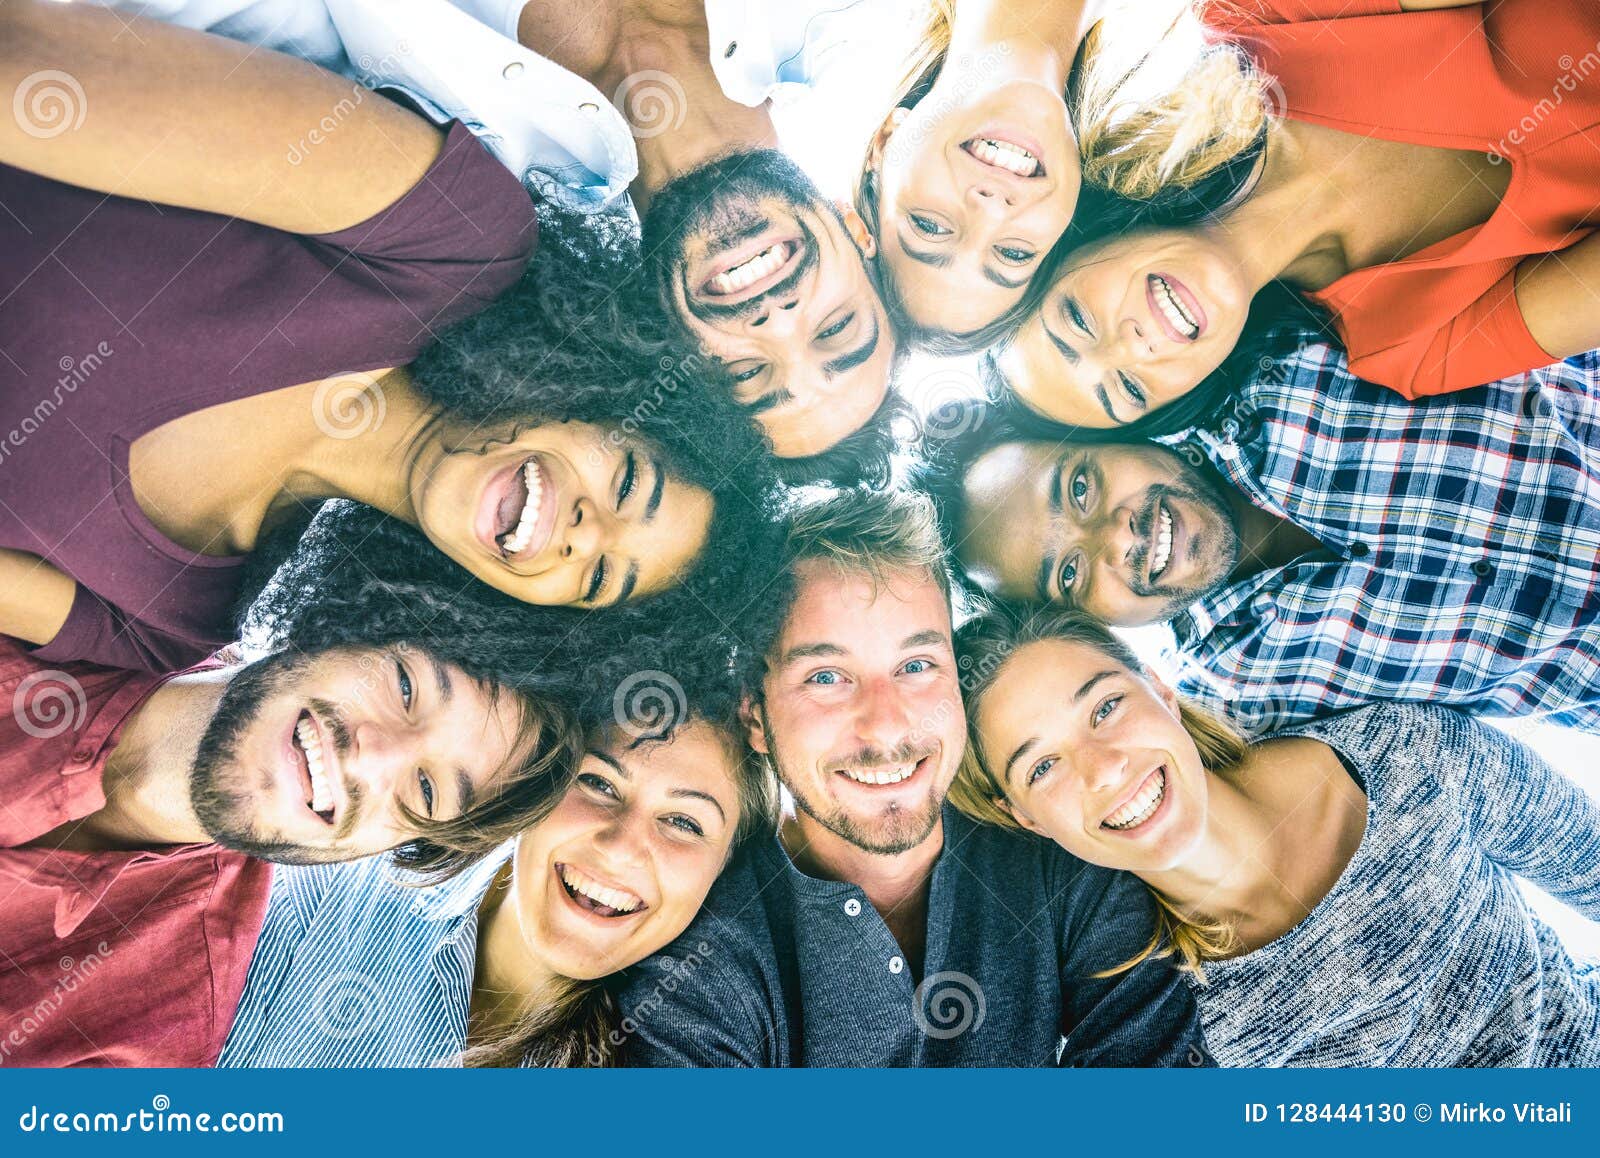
(579, 339)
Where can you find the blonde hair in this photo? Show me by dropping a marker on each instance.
(983, 645)
(875, 533)
(1133, 142)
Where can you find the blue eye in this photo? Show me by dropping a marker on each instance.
(1014, 256)
(1078, 318)
(926, 225)
(1079, 488)
(686, 824)
(1104, 709)
(1042, 768)
(404, 682)
(597, 784)
(918, 666)
(1069, 576)
(824, 678)
(426, 786)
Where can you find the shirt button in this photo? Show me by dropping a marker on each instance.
(514, 69)
(589, 107)
(853, 907)
(1359, 550)
(896, 964)
(1483, 568)
(83, 755)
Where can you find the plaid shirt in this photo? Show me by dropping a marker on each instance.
(1461, 537)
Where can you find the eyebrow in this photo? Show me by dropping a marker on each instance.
(938, 261)
(654, 505)
(769, 401)
(1071, 355)
(696, 794)
(855, 357)
(466, 794)
(810, 651)
(1033, 741)
(924, 639)
(441, 677)
(617, 768)
(1000, 281)
(629, 582)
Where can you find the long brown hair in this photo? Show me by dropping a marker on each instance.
(983, 645)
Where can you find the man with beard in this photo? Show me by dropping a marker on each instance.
(1319, 544)
(136, 808)
(881, 926)
(767, 275)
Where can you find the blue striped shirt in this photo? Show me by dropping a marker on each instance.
(357, 968)
(1425, 952)
(1461, 536)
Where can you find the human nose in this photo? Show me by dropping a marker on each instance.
(883, 721)
(1134, 342)
(1104, 767)
(989, 198)
(780, 319)
(588, 531)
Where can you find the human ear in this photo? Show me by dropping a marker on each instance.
(755, 725)
(1021, 817)
(1162, 689)
(858, 230)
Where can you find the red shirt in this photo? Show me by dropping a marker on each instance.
(107, 958)
(1519, 79)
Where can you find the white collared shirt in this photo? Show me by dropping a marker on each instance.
(460, 59)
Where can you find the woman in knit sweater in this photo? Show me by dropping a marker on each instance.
(1343, 893)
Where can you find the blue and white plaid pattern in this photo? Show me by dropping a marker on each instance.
(1463, 547)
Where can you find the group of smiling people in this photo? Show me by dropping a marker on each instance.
(471, 591)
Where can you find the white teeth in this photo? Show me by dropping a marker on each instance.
(749, 272)
(623, 902)
(321, 795)
(1142, 807)
(1163, 549)
(1172, 307)
(880, 775)
(1005, 155)
(518, 539)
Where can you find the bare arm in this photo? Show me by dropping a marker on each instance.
(182, 118)
(1559, 295)
(34, 597)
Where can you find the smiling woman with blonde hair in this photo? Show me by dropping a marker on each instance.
(1012, 118)
(1343, 892)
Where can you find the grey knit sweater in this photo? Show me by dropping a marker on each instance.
(1425, 952)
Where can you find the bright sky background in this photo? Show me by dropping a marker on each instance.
(826, 129)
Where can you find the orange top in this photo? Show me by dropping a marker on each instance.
(1518, 79)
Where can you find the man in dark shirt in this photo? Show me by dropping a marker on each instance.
(135, 808)
(881, 927)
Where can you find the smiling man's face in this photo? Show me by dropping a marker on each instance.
(1130, 534)
(351, 752)
(772, 281)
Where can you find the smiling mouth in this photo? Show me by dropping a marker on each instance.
(1161, 549)
(1174, 311)
(751, 270)
(592, 896)
(307, 743)
(1004, 155)
(522, 523)
(884, 776)
(1143, 805)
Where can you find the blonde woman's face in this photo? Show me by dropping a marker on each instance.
(623, 864)
(1130, 325)
(974, 189)
(1094, 757)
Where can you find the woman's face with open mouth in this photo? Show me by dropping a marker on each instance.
(1130, 325)
(1093, 756)
(563, 515)
(972, 196)
(623, 864)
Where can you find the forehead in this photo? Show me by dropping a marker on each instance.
(698, 756)
(671, 543)
(858, 612)
(1036, 684)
